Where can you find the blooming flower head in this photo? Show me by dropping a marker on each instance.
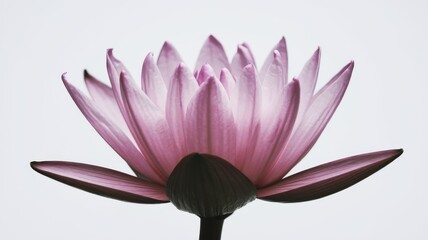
(213, 139)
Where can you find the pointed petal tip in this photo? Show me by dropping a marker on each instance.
(398, 151)
(242, 47)
(249, 66)
(211, 79)
(211, 37)
(207, 68)
(213, 40)
(38, 166)
(283, 42)
(110, 55)
(64, 77)
(350, 65)
(167, 45)
(34, 165)
(295, 80)
(122, 76)
(225, 73)
(318, 51)
(209, 82)
(87, 77)
(225, 70)
(149, 58)
(348, 68)
(181, 65)
(295, 83)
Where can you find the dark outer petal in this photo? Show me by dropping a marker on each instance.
(102, 181)
(328, 178)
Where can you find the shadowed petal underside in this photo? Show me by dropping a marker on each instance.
(102, 181)
(328, 178)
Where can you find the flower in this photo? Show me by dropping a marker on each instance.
(213, 140)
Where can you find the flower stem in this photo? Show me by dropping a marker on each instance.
(211, 227)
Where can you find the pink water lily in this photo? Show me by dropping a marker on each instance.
(256, 120)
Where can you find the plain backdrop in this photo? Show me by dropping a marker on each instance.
(385, 107)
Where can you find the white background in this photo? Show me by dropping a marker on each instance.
(385, 107)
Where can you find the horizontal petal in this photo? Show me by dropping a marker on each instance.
(316, 117)
(102, 181)
(151, 129)
(112, 134)
(281, 47)
(328, 178)
(152, 82)
(213, 53)
(242, 58)
(210, 127)
(182, 88)
(168, 61)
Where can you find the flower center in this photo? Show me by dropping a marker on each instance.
(208, 186)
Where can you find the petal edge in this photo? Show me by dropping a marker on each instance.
(102, 181)
(329, 178)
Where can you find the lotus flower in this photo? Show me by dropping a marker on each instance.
(212, 140)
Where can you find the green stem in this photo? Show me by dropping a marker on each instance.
(211, 227)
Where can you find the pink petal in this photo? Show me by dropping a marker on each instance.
(168, 61)
(152, 82)
(249, 51)
(328, 178)
(246, 101)
(281, 47)
(316, 117)
(227, 81)
(112, 134)
(209, 122)
(104, 98)
(151, 129)
(273, 81)
(213, 53)
(205, 73)
(275, 130)
(103, 181)
(114, 68)
(242, 58)
(182, 88)
(307, 79)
